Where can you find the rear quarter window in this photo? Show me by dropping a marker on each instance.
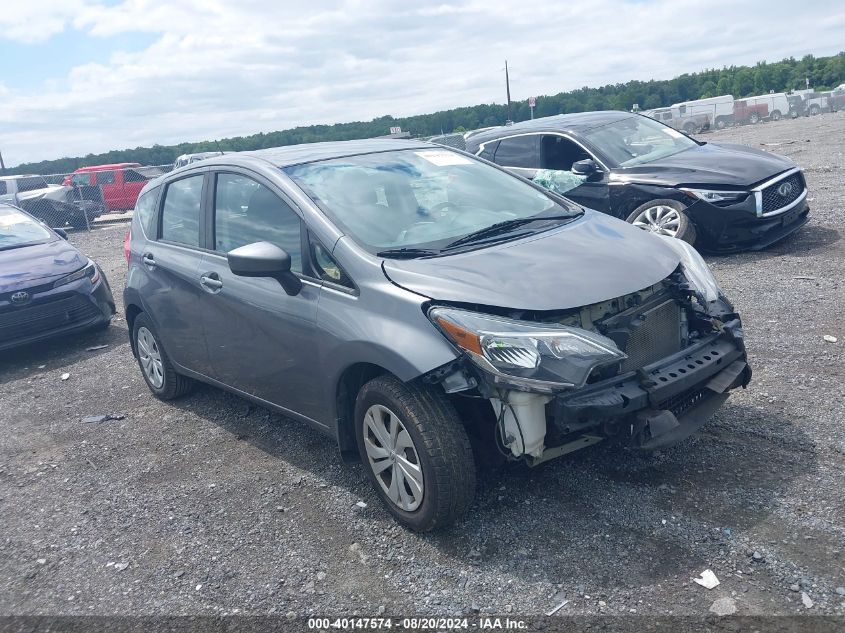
(489, 150)
(145, 210)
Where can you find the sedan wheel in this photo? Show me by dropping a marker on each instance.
(393, 458)
(416, 451)
(150, 357)
(664, 217)
(659, 219)
(159, 373)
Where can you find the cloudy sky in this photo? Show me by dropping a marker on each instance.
(81, 76)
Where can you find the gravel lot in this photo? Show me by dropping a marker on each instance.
(211, 505)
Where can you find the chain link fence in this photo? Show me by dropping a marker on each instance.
(81, 199)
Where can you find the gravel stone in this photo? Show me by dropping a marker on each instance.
(723, 606)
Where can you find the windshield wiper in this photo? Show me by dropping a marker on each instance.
(13, 246)
(503, 227)
(406, 253)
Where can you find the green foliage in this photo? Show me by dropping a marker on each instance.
(823, 73)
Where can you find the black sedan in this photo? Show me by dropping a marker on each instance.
(47, 287)
(722, 197)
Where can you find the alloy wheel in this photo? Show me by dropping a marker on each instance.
(150, 357)
(393, 457)
(660, 219)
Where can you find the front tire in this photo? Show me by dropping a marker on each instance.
(814, 110)
(776, 116)
(416, 452)
(754, 118)
(156, 368)
(665, 217)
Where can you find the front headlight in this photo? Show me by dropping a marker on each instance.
(530, 356)
(89, 271)
(695, 269)
(720, 198)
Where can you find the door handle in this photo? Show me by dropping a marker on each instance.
(149, 260)
(211, 282)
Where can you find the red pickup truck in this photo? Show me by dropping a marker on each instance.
(750, 111)
(121, 182)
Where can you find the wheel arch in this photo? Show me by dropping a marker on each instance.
(348, 385)
(132, 311)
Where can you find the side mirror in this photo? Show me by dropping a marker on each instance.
(262, 259)
(61, 233)
(586, 167)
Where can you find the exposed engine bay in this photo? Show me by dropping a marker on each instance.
(674, 344)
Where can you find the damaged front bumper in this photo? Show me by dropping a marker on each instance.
(728, 229)
(660, 404)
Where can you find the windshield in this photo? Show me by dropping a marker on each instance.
(419, 199)
(637, 140)
(18, 229)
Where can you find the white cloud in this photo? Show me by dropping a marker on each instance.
(217, 69)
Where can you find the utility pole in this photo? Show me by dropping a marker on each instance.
(2, 165)
(508, 88)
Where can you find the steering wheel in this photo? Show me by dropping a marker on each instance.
(443, 205)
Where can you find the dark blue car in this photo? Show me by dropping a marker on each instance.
(47, 287)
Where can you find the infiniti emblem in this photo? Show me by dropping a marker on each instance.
(20, 297)
(785, 189)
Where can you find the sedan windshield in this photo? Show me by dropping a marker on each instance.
(416, 202)
(637, 140)
(18, 229)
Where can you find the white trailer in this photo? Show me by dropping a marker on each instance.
(776, 102)
(719, 111)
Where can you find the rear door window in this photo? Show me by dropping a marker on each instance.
(519, 151)
(105, 177)
(180, 214)
(246, 211)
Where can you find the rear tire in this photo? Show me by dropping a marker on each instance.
(424, 471)
(690, 128)
(754, 118)
(776, 115)
(814, 110)
(156, 368)
(664, 216)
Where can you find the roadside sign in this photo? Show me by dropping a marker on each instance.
(396, 130)
(531, 102)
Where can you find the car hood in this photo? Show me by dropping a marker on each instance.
(707, 165)
(51, 192)
(20, 267)
(592, 259)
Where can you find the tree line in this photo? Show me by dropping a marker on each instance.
(823, 73)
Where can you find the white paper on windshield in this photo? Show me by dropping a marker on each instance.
(443, 159)
(10, 218)
(673, 133)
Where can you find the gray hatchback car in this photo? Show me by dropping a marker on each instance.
(424, 308)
